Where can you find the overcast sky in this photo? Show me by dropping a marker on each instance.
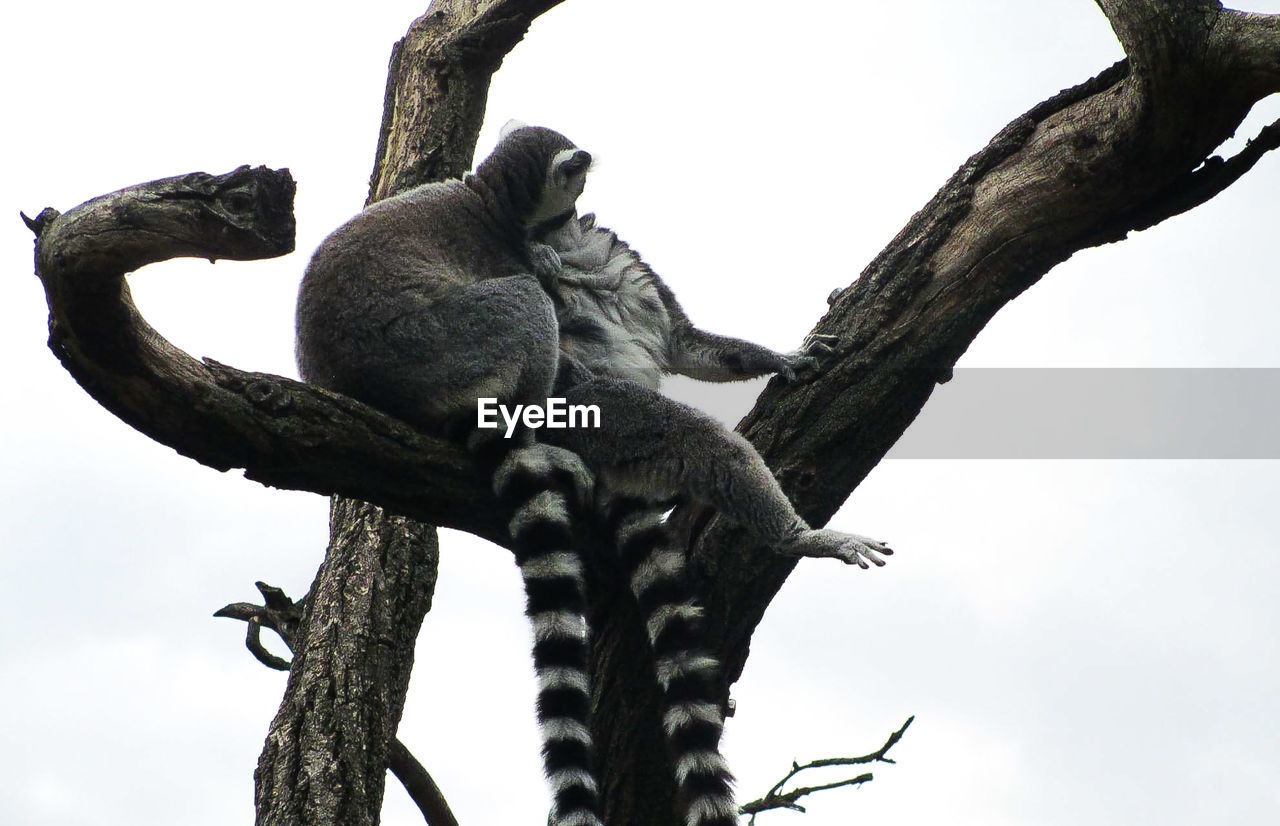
(1081, 641)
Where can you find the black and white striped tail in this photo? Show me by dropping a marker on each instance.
(687, 674)
(537, 483)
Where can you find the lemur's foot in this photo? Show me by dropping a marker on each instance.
(848, 547)
(549, 462)
(815, 350)
(546, 264)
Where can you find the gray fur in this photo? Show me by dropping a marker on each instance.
(429, 300)
(622, 330)
(618, 318)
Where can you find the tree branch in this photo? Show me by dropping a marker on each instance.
(1083, 168)
(1087, 166)
(437, 88)
(421, 786)
(1250, 45)
(775, 798)
(284, 433)
(1157, 34)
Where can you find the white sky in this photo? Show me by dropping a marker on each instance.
(1080, 641)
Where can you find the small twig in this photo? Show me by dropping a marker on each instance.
(282, 615)
(277, 613)
(253, 641)
(775, 798)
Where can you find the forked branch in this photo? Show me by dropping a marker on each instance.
(776, 798)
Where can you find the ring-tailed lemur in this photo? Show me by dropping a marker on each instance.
(618, 318)
(430, 300)
(422, 304)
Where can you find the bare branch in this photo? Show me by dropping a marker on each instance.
(1208, 181)
(420, 786)
(776, 798)
(253, 641)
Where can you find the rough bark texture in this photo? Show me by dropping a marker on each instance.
(1120, 152)
(326, 757)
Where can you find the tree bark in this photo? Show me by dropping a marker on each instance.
(326, 757)
(1120, 152)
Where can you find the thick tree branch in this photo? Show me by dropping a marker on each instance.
(1250, 45)
(1158, 34)
(1114, 154)
(284, 433)
(1083, 168)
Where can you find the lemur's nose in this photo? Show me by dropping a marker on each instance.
(578, 162)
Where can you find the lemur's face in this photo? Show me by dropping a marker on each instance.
(566, 178)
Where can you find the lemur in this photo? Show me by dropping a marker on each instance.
(429, 300)
(618, 318)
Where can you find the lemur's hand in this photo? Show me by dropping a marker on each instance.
(850, 548)
(815, 350)
(546, 265)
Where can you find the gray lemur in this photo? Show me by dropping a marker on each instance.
(430, 300)
(619, 319)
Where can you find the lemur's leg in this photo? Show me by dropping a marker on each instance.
(688, 676)
(656, 446)
(498, 338)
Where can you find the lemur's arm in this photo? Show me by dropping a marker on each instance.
(710, 357)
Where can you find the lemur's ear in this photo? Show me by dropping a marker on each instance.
(511, 126)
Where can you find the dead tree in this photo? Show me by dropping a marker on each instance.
(1121, 151)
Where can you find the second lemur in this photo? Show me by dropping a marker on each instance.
(618, 319)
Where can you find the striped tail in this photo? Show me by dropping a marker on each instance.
(538, 484)
(687, 674)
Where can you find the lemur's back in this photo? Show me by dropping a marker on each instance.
(388, 263)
